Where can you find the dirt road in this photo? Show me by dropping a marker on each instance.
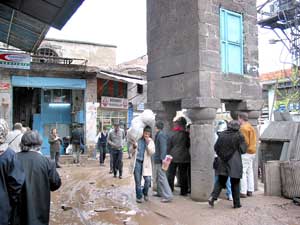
(91, 196)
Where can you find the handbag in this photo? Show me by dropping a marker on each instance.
(216, 163)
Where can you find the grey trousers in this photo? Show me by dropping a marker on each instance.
(76, 153)
(163, 187)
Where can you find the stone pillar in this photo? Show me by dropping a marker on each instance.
(202, 152)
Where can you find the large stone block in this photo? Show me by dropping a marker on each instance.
(280, 131)
(272, 179)
(174, 88)
(246, 105)
(170, 66)
(201, 102)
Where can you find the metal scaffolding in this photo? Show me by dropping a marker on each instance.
(283, 18)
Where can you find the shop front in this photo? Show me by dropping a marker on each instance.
(112, 96)
(43, 103)
(112, 109)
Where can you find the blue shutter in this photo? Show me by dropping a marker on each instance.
(231, 37)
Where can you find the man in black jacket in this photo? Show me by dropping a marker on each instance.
(76, 141)
(11, 178)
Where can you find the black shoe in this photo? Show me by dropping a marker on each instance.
(249, 193)
(120, 177)
(110, 171)
(211, 201)
(156, 195)
(115, 176)
(237, 206)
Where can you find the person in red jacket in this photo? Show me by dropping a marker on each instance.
(247, 182)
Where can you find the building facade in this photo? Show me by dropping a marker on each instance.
(202, 53)
(58, 89)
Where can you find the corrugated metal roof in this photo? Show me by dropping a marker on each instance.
(55, 13)
(24, 23)
(20, 30)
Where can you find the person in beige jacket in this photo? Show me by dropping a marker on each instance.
(143, 149)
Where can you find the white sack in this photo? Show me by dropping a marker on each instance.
(135, 132)
(148, 117)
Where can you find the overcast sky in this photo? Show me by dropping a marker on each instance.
(116, 22)
(123, 23)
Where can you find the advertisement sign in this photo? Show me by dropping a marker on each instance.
(4, 85)
(106, 122)
(141, 107)
(91, 121)
(114, 103)
(15, 60)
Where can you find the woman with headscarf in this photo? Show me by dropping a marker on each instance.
(178, 148)
(41, 178)
(11, 177)
(229, 147)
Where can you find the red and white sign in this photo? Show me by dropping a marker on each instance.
(15, 60)
(115, 103)
(4, 86)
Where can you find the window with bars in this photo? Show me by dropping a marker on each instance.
(50, 56)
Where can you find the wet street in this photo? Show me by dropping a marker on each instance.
(91, 196)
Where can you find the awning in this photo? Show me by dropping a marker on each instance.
(122, 77)
(54, 13)
(25, 23)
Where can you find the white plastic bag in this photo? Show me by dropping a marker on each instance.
(69, 149)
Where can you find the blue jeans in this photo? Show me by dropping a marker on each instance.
(138, 171)
(228, 186)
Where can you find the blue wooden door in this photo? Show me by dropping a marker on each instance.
(54, 115)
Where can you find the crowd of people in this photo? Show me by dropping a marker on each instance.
(235, 149)
(24, 171)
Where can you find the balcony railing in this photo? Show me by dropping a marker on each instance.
(58, 60)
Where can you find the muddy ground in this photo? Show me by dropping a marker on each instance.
(91, 196)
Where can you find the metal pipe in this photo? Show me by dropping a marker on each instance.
(9, 28)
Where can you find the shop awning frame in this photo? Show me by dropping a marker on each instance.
(25, 23)
(122, 77)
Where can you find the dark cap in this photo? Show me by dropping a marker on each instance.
(159, 125)
(181, 121)
(147, 129)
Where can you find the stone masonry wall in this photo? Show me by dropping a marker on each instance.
(96, 54)
(184, 51)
